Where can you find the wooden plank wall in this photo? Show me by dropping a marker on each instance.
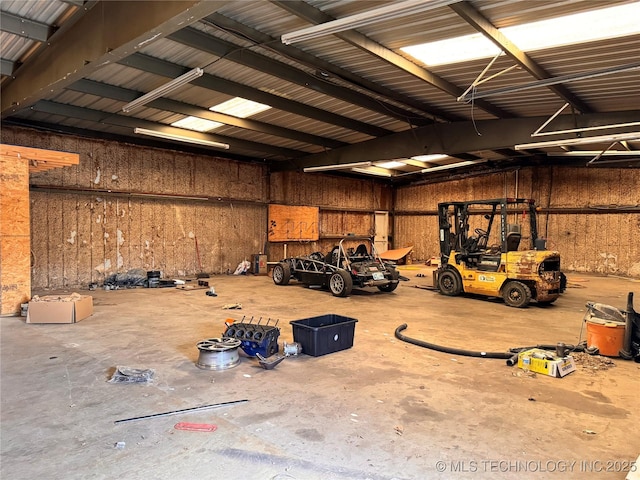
(346, 206)
(607, 242)
(15, 245)
(97, 222)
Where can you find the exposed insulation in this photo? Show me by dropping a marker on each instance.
(162, 200)
(605, 242)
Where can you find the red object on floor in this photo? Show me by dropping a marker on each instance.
(195, 427)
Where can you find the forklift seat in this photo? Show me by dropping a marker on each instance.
(513, 237)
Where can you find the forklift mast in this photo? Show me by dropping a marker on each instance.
(456, 236)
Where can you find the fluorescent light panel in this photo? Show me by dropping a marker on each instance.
(342, 166)
(451, 165)
(380, 172)
(164, 89)
(238, 107)
(581, 141)
(591, 153)
(388, 12)
(196, 123)
(434, 157)
(391, 164)
(612, 22)
(180, 138)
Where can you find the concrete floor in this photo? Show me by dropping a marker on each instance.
(383, 409)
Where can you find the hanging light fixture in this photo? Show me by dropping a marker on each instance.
(164, 89)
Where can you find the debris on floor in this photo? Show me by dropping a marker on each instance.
(195, 427)
(190, 287)
(211, 292)
(181, 411)
(131, 375)
(131, 279)
(119, 445)
(232, 306)
(243, 268)
(592, 362)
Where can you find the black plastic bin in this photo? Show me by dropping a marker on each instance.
(324, 334)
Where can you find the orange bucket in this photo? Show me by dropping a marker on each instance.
(608, 336)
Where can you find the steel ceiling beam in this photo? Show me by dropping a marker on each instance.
(555, 80)
(474, 18)
(324, 67)
(125, 134)
(101, 36)
(23, 27)
(313, 15)
(243, 56)
(456, 138)
(107, 118)
(234, 89)
(125, 95)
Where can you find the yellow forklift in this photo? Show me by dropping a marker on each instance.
(491, 261)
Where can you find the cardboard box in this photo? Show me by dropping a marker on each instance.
(60, 308)
(546, 363)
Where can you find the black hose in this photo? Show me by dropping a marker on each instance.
(454, 351)
(511, 356)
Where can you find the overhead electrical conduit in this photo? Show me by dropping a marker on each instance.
(511, 356)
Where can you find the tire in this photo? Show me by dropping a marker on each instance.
(449, 283)
(340, 283)
(390, 287)
(563, 282)
(516, 294)
(281, 274)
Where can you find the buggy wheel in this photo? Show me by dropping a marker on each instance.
(449, 283)
(281, 273)
(390, 287)
(340, 283)
(516, 294)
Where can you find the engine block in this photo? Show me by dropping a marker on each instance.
(255, 337)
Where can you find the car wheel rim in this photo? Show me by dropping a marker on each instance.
(277, 274)
(337, 284)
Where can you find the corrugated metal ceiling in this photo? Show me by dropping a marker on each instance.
(323, 91)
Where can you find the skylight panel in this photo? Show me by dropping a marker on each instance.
(434, 157)
(237, 107)
(391, 164)
(612, 22)
(197, 124)
(240, 107)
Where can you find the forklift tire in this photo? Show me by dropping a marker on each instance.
(281, 273)
(449, 283)
(516, 294)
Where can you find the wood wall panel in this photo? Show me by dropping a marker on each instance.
(39, 211)
(15, 244)
(116, 232)
(294, 188)
(153, 233)
(604, 242)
